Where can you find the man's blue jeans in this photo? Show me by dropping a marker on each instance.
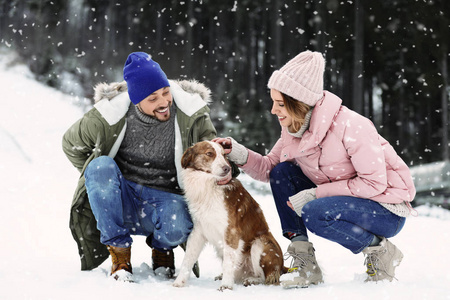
(123, 208)
(349, 221)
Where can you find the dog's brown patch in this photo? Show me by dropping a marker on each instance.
(199, 157)
(246, 222)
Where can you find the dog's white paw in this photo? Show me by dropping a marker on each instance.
(252, 281)
(179, 283)
(225, 287)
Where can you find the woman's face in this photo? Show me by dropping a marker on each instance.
(279, 109)
(158, 104)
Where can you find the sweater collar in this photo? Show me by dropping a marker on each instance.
(305, 125)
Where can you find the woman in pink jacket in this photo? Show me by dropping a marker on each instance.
(331, 173)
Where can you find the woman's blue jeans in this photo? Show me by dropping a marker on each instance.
(123, 208)
(349, 221)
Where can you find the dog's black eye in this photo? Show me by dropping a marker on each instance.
(209, 154)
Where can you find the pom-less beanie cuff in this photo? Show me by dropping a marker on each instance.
(143, 75)
(301, 78)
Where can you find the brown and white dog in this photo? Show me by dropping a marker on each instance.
(225, 215)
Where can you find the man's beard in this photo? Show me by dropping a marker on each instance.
(155, 117)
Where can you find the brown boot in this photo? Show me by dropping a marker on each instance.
(121, 260)
(163, 262)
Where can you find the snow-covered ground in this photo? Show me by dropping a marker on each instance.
(39, 258)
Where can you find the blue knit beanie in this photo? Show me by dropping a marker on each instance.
(143, 75)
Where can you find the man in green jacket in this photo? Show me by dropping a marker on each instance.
(128, 148)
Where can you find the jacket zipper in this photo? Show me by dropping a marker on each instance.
(320, 147)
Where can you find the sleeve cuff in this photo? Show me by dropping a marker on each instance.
(297, 202)
(238, 154)
(300, 199)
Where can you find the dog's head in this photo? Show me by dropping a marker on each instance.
(208, 157)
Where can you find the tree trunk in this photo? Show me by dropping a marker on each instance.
(444, 99)
(358, 82)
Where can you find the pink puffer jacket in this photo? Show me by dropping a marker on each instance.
(343, 154)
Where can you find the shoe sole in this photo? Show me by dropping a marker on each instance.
(299, 286)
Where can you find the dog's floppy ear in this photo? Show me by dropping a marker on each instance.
(187, 158)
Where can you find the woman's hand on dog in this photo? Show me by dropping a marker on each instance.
(225, 143)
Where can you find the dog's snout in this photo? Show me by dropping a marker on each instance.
(226, 169)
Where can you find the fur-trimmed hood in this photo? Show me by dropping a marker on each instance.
(110, 90)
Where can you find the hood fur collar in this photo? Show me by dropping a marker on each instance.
(111, 90)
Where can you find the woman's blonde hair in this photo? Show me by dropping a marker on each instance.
(297, 110)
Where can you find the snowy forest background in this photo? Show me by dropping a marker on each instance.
(386, 59)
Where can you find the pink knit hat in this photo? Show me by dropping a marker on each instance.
(301, 78)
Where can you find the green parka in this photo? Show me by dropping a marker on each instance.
(100, 132)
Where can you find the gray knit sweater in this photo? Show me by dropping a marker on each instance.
(147, 153)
